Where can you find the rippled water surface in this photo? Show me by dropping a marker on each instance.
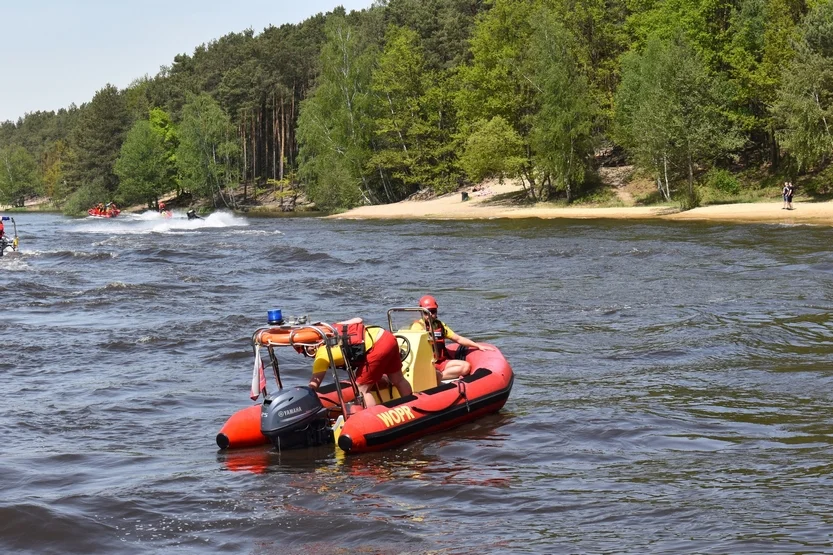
(672, 395)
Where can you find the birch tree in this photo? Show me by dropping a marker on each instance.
(671, 114)
(333, 126)
(18, 175)
(142, 166)
(804, 102)
(561, 130)
(397, 86)
(208, 153)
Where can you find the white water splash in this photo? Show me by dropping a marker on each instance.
(154, 222)
(74, 254)
(13, 262)
(255, 232)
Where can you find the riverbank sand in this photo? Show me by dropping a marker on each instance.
(487, 204)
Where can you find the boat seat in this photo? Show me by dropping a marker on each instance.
(418, 366)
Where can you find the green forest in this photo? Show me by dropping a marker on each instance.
(372, 106)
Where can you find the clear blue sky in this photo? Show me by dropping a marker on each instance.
(57, 52)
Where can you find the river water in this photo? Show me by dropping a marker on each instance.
(672, 395)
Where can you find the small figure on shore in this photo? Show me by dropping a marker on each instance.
(787, 193)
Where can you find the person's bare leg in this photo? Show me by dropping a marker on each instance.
(369, 399)
(455, 369)
(402, 385)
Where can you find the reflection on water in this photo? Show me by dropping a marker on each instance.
(672, 392)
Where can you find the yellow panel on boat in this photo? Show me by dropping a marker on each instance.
(418, 367)
(337, 427)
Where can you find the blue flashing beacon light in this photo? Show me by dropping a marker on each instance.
(274, 317)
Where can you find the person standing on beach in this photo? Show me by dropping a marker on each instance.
(790, 192)
(784, 194)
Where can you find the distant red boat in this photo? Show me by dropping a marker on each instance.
(106, 213)
(297, 416)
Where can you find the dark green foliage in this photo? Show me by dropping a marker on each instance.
(495, 83)
(373, 105)
(54, 160)
(818, 186)
(97, 138)
(437, 133)
(498, 84)
(443, 26)
(561, 137)
(804, 104)
(207, 156)
(396, 88)
(335, 128)
(85, 197)
(18, 176)
(690, 199)
(143, 166)
(493, 149)
(412, 120)
(671, 113)
(599, 38)
(722, 181)
(162, 124)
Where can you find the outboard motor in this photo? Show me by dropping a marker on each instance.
(295, 417)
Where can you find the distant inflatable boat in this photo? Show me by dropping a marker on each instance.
(296, 417)
(96, 213)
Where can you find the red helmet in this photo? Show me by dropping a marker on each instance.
(161, 205)
(428, 302)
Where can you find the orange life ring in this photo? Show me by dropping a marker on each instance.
(281, 336)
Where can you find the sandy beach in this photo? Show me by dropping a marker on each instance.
(488, 206)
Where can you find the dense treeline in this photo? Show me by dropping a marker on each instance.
(371, 106)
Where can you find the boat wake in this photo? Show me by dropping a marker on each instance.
(13, 262)
(154, 222)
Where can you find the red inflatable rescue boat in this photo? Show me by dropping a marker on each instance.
(105, 213)
(297, 416)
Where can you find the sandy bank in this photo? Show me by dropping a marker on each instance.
(452, 207)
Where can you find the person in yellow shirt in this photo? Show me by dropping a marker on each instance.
(381, 359)
(447, 368)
